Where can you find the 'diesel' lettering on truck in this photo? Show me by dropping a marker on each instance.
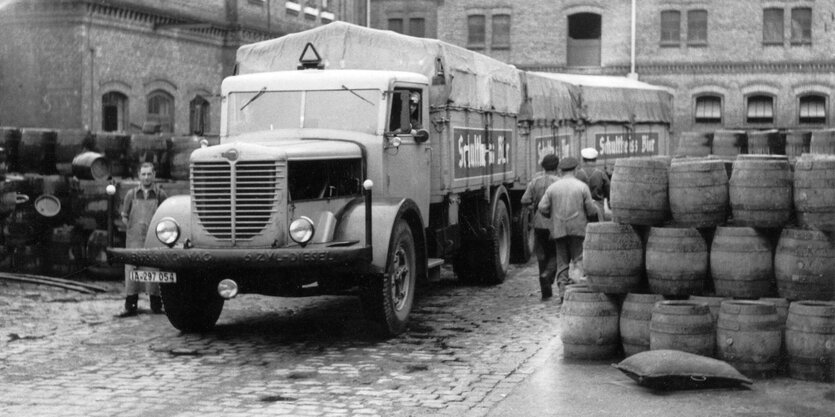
(477, 155)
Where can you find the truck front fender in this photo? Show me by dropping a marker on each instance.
(384, 214)
(177, 207)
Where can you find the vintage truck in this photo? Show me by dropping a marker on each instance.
(325, 182)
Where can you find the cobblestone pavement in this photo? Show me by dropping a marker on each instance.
(465, 349)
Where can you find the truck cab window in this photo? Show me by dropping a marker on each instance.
(409, 101)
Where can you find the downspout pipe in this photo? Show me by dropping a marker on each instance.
(632, 74)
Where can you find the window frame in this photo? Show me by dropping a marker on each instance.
(707, 120)
(676, 41)
(812, 120)
(472, 41)
(199, 115)
(412, 24)
(166, 121)
(118, 100)
(759, 120)
(802, 40)
(692, 32)
(781, 31)
(392, 20)
(504, 42)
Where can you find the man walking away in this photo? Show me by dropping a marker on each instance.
(137, 210)
(568, 203)
(596, 179)
(543, 243)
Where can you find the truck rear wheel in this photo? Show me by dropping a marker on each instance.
(486, 261)
(522, 239)
(192, 304)
(388, 299)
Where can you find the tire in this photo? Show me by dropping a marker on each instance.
(389, 298)
(522, 239)
(486, 261)
(192, 304)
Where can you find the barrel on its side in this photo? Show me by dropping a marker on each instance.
(10, 137)
(729, 143)
(814, 191)
(810, 340)
(36, 152)
(181, 149)
(698, 192)
(66, 251)
(822, 142)
(612, 257)
(635, 316)
(768, 142)
(676, 261)
(90, 166)
(696, 144)
(155, 149)
(804, 265)
(97, 256)
(798, 142)
(116, 149)
(682, 325)
(749, 336)
(741, 263)
(589, 325)
(639, 191)
(761, 191)
(69, 143)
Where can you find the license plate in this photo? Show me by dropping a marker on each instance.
(153, 276)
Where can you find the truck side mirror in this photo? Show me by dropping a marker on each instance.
(422, 135)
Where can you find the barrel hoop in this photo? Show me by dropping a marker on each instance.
(696, 328)
(736, 325)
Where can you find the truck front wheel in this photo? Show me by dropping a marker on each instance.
(192, 304)
(388, 298)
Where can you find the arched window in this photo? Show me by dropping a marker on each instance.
(584, 30)
(708, 109)
(161, 111)
(812, 109)
(199, 116)
(760, 109)
(114, 112)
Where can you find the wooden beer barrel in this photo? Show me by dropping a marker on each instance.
(97, 257)
(760, 191)
(698, 191)
(639, 191)
(116, 149)
(741, 263)
(810, 340)
(181, 149)
(697, 144)
(90, 166)
(729, 143)
(589, 325)
(612, 257)
(798, 142)
(11, 194)
(676, 261)
(767, 142)
(69, 143)
(36, 152)
(822, 142)
(155, 149)
(66, 251)
(10, 137)
(804, 265)
(713, 303)
(749, 336)
(89, 205)
(682, 325)
(814, 191)
(28, 258)
(635, 316)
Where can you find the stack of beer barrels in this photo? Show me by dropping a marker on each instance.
(53, 203)
(728, 254)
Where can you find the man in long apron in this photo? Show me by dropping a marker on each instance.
(546, 252)
(137, 210)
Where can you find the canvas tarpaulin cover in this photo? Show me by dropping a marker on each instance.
(548, 100)
(470, 79)
(608, 99)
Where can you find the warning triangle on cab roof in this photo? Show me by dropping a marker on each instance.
(306, 62)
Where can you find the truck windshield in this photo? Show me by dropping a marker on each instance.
(345, 109)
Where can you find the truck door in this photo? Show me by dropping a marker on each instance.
(407, 159)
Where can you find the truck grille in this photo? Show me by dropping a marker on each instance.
(235, 201)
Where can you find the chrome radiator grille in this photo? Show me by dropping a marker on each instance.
(235, 201)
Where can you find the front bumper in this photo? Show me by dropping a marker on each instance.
(313, 256)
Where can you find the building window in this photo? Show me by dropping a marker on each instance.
(697, 27)
(417, 27)
(475, 31)
(708, 109)
(114, 112)
(199, 116)
(812, 109)
(773, 26)
(760, 109)
(292, 7)
(161, 111)
(396, 25)
(584, 31)
(501, 32)
(802, 26)
(670, 27)
(256, 2)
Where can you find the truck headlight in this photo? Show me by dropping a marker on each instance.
(301, 230)
(168, 231)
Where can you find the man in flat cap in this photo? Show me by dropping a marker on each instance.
(596, 179)
(568, 203)
(544, 247)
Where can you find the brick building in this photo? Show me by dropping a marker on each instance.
(749, 64)
(121, 65)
